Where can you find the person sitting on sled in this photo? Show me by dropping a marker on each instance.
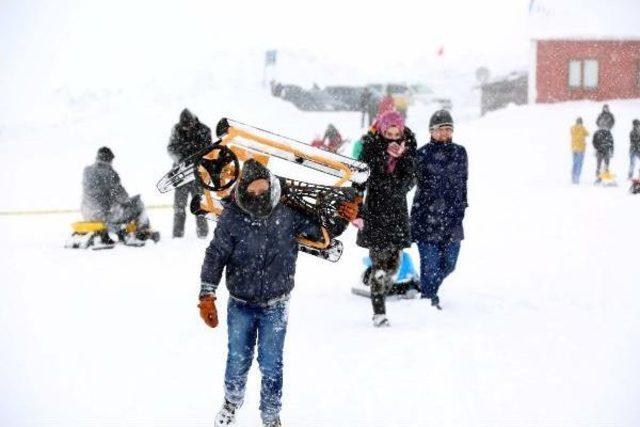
(104, 198)
(331, 141)
(255, 241)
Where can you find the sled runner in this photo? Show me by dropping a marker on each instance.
(216, 169)
(94, 235)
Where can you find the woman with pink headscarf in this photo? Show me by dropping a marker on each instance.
(384, 224)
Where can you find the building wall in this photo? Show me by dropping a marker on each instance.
(618, 69)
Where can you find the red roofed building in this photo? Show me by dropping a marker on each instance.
(591, 55)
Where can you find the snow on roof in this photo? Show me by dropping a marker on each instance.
(584, 20)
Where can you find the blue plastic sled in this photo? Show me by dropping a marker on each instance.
(405, 279)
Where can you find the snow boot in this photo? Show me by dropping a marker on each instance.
(380, 320)
(435, 302)
(227, 415)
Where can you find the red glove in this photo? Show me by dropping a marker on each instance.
(348, 210)
(208, 310)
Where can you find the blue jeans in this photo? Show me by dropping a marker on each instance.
(632, 163)
(437, 261)
(578, 157)
(246, 324)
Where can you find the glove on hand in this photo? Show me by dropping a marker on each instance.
(208, 310)
(348, 210)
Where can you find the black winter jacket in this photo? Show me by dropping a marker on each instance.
(259, 254)
(441, 197)
(385, 213)
(185, 142)
(603, 142)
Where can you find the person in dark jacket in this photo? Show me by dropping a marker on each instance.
(390, 153)
(603, 144)
(605, 119)
(188, 137)
(634, 146)
(255, 241)
(439, 204)
(364, 104)
(105, 199)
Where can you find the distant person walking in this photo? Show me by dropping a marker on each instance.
(578, 146)
(603, 144)
(365, 107)
(634, 146)
(187, 138)
(605, 119)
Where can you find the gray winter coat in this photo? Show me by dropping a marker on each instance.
(101, 190)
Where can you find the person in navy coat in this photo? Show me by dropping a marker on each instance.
(439, 204)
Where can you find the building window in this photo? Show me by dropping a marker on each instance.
(583, 74)
(575, 74)
(590, 74)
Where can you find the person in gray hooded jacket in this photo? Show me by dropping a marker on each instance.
(105, 199)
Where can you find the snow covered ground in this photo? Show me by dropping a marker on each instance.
(539, 327)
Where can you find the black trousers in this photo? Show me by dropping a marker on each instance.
(600, 157)
(179, 212)
(384, 264)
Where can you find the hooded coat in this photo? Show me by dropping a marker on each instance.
(101, 191)
(258, 253)
(188, 137)
(603, 142)
(605, 120)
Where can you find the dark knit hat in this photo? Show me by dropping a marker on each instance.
(105, 154)
(440, 118)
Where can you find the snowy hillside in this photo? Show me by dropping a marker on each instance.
(539, 326)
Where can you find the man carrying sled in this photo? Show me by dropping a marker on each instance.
(255, 240)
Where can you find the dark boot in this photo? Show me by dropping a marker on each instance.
(202, 228)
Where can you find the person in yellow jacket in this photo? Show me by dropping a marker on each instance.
(578, 145)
